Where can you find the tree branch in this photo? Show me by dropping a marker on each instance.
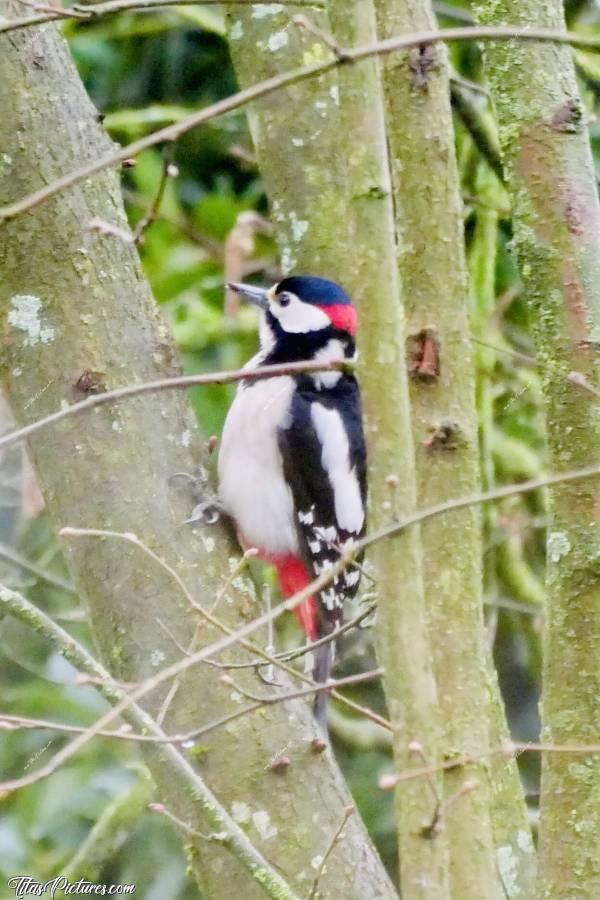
(93, 12)
(270, 85)
(164, 384)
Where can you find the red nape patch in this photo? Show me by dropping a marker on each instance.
(293, 576)
(343, 316)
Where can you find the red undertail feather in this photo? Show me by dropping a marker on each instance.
(293, 577)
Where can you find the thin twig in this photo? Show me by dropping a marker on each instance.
(169, 170)
(521, 357)
(510, 749)
(359, 678)
(220, 836)
(18, 723)
(290, 655)
(220, 626)
(316, 586)
(164, 384)
(277, 82)
(9, 722)
(110, 8)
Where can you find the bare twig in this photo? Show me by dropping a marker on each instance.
(101, 10)
(17, 723)
(511, 749)
(268, 86)
(317, 585)
(164, 384)
(24, 610)
(209, 617)
(169, 170)
(290, 655)
(359, 678)
(221, 836)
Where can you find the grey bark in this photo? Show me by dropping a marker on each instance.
(72, 301)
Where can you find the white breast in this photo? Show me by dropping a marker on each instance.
(251, 482)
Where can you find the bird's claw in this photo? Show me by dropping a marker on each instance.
(206, 513)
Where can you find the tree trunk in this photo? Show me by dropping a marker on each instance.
(322, 152)
(557, 237)
(74, 301)
(433, 272)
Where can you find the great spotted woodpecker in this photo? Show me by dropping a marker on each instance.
(292, 466)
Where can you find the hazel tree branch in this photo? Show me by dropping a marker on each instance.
(270, 85)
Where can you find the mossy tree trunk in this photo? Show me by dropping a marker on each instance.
(322, 152)
(74, 301)
(556, 218)
(433, 272)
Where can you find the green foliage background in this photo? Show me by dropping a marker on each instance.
(143, 71)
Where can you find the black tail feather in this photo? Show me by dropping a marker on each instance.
(322, 662)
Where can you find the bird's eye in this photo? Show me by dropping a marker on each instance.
(284, 300)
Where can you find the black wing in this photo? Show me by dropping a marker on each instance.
(321, 536)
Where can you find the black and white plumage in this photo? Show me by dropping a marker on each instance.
(292, 466)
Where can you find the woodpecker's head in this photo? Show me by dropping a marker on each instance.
(302, 307)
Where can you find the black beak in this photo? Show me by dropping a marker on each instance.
(254, 295)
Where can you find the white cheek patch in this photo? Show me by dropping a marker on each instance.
(335, 458)
(299, 317)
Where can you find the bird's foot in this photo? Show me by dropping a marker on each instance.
(206, 513)
(207, 509)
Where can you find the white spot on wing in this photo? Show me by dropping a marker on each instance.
(335, 458)
(328, 534)
(329, 599)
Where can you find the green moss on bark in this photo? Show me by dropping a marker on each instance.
(557, 238)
